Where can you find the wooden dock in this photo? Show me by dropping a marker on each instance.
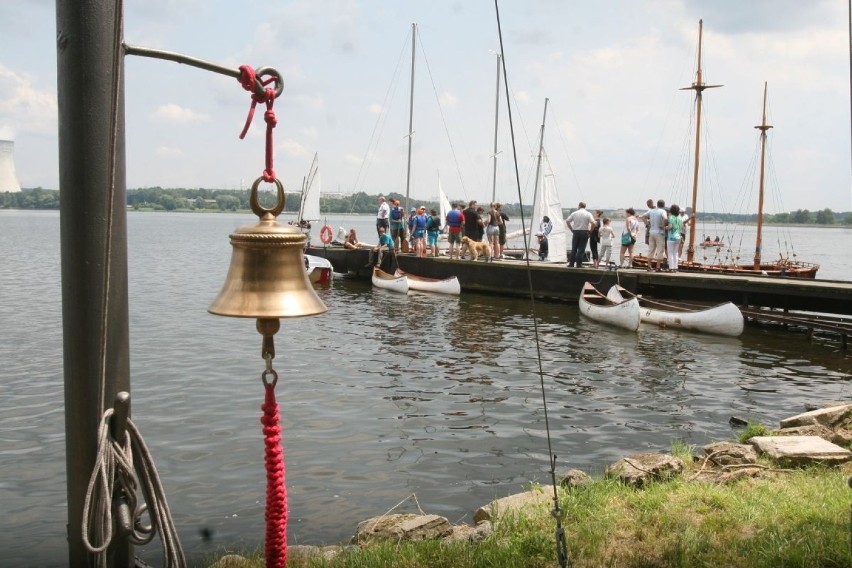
(557, 282)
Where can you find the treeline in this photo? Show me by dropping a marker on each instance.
(161, 199)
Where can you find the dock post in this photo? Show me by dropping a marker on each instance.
(93, 230)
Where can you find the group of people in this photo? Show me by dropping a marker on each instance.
(664, 235)
(419, 231)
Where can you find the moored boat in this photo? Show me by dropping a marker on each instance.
(723, 319)
(319, 269)
(382, 279)
(596, 306)
(437, 285)
(786, 265)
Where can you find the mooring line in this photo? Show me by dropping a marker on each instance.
(561, 546)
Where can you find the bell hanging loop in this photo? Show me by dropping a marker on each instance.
(267, 277)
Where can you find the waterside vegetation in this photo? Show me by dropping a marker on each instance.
(224, 200)
(781, 517)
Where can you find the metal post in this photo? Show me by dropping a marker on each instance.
(93, 228)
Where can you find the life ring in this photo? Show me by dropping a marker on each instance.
(326, 234)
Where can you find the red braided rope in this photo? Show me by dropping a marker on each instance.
(276, 490)
(248, 79)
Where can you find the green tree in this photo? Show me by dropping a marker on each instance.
(825, 217)
(801, 216)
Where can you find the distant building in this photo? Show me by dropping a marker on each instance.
(8, 177)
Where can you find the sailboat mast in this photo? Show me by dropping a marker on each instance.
(538, 164)
(763, 128)
(496, 118)
(410, 118)
(698, 86)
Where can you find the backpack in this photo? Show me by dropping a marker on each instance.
(396, 214)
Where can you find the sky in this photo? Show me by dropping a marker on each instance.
(618, 128)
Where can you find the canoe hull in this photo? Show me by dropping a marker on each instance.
(385, 281)
(724, 319)
(435, 285)
(596, 306)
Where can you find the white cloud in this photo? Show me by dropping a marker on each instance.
(175, 113)
(292, 148)
(169, 152)
(24, 108)
(449, 100)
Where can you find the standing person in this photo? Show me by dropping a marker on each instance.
(685, 219)
(606, 235)
(411, 220)
(674, 230)
(382, 214)
(645, 218)
(397, 224)
(492, 230)
(543, 246)
(594, 238)
(657, 246)
(580, 223)
(503, 219)
(433, 229)
(628, 237)
(455, 221)
(418, 233)
(472, 225)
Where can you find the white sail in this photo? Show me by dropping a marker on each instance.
(309, 209)
(443, 203)
(547, 203)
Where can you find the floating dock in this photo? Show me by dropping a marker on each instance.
(557, 282)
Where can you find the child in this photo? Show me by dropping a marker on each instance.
(606, 235)
(543, 247)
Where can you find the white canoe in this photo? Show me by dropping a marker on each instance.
(437, 285)
(382, 279)
(724, 319)
(319, 269)
(596, 306)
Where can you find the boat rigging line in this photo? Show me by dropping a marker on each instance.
(558, 514)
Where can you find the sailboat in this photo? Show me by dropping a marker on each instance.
(546, 203)
(443, 203)
(783, 266)
(309, 204)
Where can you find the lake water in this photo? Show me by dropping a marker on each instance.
(382, 398)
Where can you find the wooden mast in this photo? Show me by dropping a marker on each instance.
(763, 128)
(410, 118)
(698, 86)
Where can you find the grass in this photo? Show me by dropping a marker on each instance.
(782, 518)
(751, 430)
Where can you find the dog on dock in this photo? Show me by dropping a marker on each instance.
(477, 248)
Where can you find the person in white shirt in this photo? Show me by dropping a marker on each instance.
(383, 215)
(607, 234)
(657, 229)
(684, 219)
(580, 223)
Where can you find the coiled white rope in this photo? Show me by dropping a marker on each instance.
(114, 464)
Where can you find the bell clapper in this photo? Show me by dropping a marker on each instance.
(268, 327)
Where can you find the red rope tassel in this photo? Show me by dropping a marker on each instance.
(276, 490)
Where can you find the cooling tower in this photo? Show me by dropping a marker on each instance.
(8, 177)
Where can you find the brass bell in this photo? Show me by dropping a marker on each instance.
(267, 277)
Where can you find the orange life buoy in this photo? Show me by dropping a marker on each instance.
(325, 234)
